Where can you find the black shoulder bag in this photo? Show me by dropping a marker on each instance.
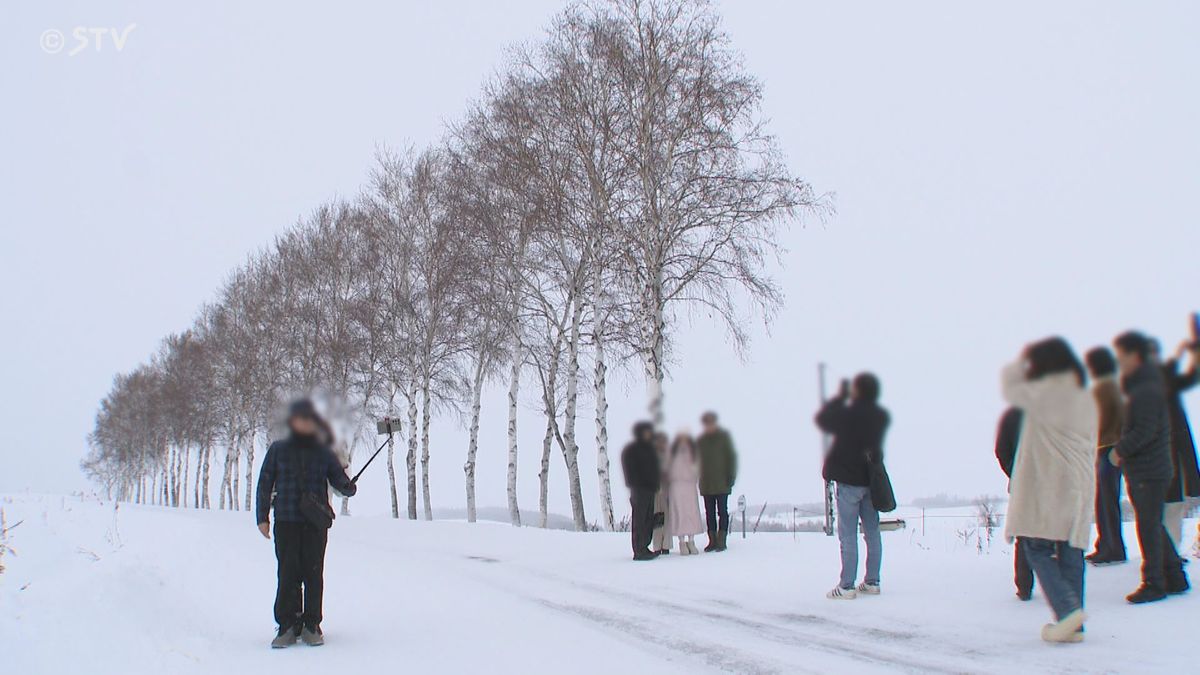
(315, 509)
(882, 496)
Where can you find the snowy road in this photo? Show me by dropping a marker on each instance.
(149, 590)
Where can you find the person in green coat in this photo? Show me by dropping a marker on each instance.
(718, 471)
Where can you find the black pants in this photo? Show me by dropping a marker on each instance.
(1160, 561)
(1110, 543)
(300, 549)
(1022, 572)
(641, 520)
(716, 512)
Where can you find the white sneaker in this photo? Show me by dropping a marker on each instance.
(839, 593)
(1066, 630)
(868, 589)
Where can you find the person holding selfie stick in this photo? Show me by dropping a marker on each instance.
(294, 480)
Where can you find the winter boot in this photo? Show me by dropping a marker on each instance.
(1066, 629)
(1145, 594)
(683, 547)
(312, 635)
(722, 537)
(1177, 584)
(712, 542)
(644, 554)
(286, 637)
(691, 544)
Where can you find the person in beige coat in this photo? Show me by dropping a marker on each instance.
(1050, 508)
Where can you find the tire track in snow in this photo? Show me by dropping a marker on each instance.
(632, 619)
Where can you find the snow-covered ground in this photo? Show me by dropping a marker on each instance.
(152, 590)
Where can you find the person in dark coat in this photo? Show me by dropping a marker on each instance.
(1186, 480)
(300, 464)
(1110, 541)
(1008, 436)
(1145, 456)
(857, 423)
(643, 475)
(718, 472)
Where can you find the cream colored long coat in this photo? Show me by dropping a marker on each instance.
(1053, 484)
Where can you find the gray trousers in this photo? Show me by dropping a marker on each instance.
(854, 506)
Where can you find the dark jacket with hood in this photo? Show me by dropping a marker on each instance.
(858, 428)
(639, 460)
(1008, 435)
(1186, 481)
(1145, 445)
(293, 466)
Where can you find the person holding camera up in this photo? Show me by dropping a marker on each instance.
(295, 479)
(857, 423)
(1144, 454)
(1186, 480)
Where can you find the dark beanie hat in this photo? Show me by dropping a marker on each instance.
(303, 408)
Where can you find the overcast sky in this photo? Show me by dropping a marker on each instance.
(1002, 173)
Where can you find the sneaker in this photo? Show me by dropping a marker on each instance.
(286, 637)
(1048, 635)
(868, 589)
(312, 635)
(1067, 629)
(1106, 562)
(839, 593)
(1145, 594)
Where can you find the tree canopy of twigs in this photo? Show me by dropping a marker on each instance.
(611, 176)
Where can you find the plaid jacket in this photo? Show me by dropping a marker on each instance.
(280, 484)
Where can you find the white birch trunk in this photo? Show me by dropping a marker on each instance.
(426, 500)
(250, 469)
(601, 396)
(391, 461)
(186, 460)
(473, 444)
(653, 351)
(205, 495)
(544, 475)
(570, 446)
(411, 459)
(514, 383)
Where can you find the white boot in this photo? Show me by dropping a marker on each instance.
(683, 548)
(691, 544)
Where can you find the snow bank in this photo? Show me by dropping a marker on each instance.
(132, 590)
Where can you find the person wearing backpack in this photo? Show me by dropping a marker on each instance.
(294, 480)
(857, 423)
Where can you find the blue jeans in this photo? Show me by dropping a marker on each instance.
(1059, 568)
(854, 506)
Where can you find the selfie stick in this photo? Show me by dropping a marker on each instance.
(385, 426)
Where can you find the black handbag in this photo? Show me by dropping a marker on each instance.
(316, 510)
(883, 498)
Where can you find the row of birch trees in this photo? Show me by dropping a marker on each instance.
(613, 179)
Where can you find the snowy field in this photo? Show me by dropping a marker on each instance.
(153, 590)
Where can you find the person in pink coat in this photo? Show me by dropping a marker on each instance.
(683, 494)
